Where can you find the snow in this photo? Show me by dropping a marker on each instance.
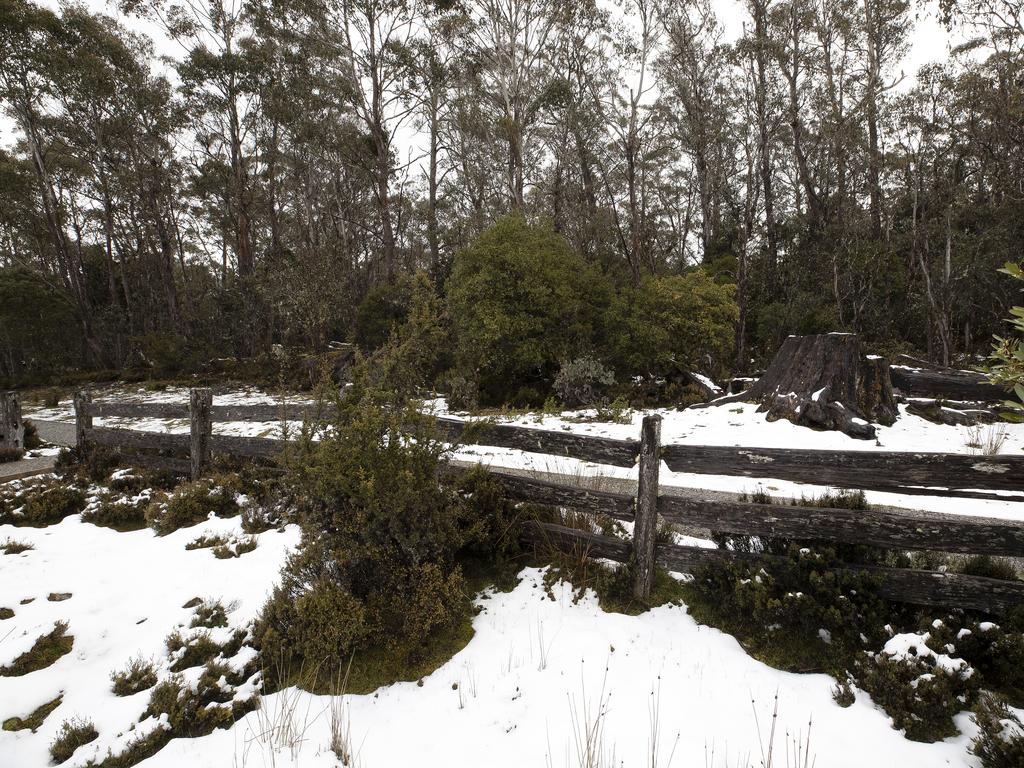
(534, 669)
(534, 662)
(127, 595)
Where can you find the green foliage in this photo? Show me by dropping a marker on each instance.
(118, 511)
(139, 675)
(1007, 359)
(33, 720)
(377, 573)
(801, 611)
(384, 307)
(583, 382)
(37, 324)
(412, 355)
(995, 653)
(919, 694)
(988, 566)
(190, 503)
(209, 614)
(44, 652)
(73, 734)
(520, 301)
(39, 503)
(6, 613)
(1000, 741)
(670, 323)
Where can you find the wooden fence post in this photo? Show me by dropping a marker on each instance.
(200, 402)
(83, 419)
(12, 430)
(645, 528)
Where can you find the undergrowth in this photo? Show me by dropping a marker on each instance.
(44, 652)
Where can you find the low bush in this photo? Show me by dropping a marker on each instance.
(190, 504)
(799, 611)
(1000, 741)
(41, 503)
(995, 653)
(139, 675)
(210, 614)
(6, 613)
(44, 652)
(117, 511)
(378, 569)
(73, 734)
(32, 721)
(583, 382)
(920, 692)
(8, 455)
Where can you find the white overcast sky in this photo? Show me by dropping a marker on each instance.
(930, 40)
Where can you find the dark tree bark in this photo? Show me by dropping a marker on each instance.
(824, 382)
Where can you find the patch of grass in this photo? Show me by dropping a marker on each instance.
(6, 613)
(12, 547)
(986, 565)
(73, 734)
(33, 720)
(139, 675)
(44, 652)
(208, 540)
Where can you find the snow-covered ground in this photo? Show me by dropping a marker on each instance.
(538, 675)
(736, 424)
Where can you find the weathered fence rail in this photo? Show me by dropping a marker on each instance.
(931, 473)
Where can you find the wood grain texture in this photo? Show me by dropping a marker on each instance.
(888, 530)
(873, 470)
(599, 450)
(646, 528)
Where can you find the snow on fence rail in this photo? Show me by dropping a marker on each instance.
(900, 472)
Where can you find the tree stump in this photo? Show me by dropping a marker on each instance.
(824, 382)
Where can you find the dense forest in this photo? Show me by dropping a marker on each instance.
(646, 190)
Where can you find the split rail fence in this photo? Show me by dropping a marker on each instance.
(934, 474)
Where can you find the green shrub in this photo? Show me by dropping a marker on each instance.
(919, 694)
(114, 510)
(799, 611)
(1000, 741)
(35, 719)
(190, 504)
(41, 503)
(139, 675)
(995, 653)
(210, 614)
(520, 301)
(234, 548)
(583, 382)
(190, 713)
(376, 571)
(44, 652)
(669, 323)
(193, 650)
(461, 389)
(385, 306)
(72, 735)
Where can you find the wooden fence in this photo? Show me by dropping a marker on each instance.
(936, 474)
